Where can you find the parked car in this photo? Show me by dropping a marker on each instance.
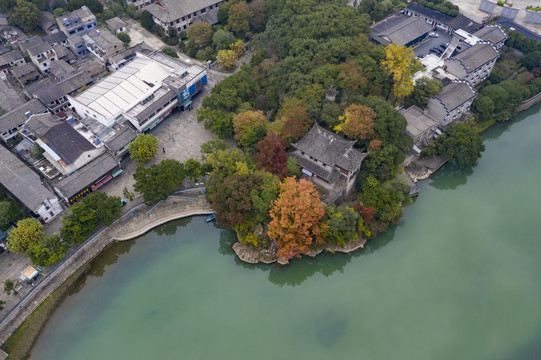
(444, 46)
(433, 34)
(436, 51)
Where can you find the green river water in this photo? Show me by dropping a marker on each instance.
(458, 278)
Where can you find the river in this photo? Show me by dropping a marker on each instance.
(457, 278)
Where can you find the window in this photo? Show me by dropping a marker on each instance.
(89, 26)
(72, 32)
(183, 18)
(203, 11)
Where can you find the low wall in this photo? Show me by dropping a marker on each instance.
(526, 104)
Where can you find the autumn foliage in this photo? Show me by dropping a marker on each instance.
(294, 122)
(271, 155)
(296, 216)
(357, 122)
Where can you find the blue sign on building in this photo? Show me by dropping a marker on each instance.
(184, 95)
(203, 80)
(192, 89)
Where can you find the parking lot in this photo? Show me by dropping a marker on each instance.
(428, 43)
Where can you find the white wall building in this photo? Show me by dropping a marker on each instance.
(144, 91)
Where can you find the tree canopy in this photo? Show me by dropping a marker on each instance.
(401, 63)
(143, 148)
(27, 232)
(158, 181)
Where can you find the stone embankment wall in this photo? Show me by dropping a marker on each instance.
(526, 104)
(130, 225)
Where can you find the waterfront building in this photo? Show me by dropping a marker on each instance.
(421, 126)
(451, 103)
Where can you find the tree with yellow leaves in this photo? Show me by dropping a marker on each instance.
(227, 58)
(400, 61)
(238, 47)
(357, 122)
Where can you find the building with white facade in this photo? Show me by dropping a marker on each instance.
(117, 25)
(26, 186)
(181, 13)
(42, 55)
(473, 64)
(451, 103)
(144, 92)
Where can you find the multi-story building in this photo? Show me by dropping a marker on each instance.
(179, 14)
(116, 25)
(102, 43)
(473, 64)
(42, 55)
(77, 22)
(12, 121)
(328, 159)
(451, 103)
(144, 92)
(10, 60)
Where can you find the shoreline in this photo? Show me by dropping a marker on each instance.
(124, 228)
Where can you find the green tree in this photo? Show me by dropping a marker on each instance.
(48, 251)
(125, 38)
(222, 39)
(219, 122)
(425, 88)
(25, 15)
(146, 20)
(193, 168)
(343, 225)
(212, 146)
(483, 107)
(9, 286)
(143, 148)
(27, 232)
(169, 51)
(157, 182)
(200, 33)
(94, 5)
(2, 304)
(460, 143)
(239, 16)
(293, 167)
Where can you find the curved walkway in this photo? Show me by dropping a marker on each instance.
(129, 226)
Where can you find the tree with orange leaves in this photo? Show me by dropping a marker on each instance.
(357, 122)
(296, 215)
(294, 122)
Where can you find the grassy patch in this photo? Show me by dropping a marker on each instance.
(20, 343)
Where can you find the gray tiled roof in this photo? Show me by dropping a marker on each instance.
(9, 98)
(176, 9)
(400, 29)
(61, 69)
(75, 82)
(10, 57)
(24, 45)
(39, 48)
(455, 94)
(115, 23)
(477, 56)
(418, 121)
(464, 23)
(121, 139)
(330, 149)
(87, 175)
(21, 181)
(24, 70)
(46, 91)
(104, 38)
(494, 34)
(56, 37)
(59, 136)
(16, 116)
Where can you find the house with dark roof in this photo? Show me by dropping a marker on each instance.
(42, 55)
(421, 126)
(473, 64)
(64, 53)
(9, 98)
(12, 121)
(65, 147)
(182, 13)
(47, 22)
(328, 159)
(451, 103)
(26, 73)
(50, 94)
(400, 29)
(77, 45)
(26, 44)
(26, 186)
(118, 144)
(10, 60)
(57, 38)
(494, 34)
(61, 70)
(116, 25)
(89, 178)
(440, 20)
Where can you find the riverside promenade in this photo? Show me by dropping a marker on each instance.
(135, 222)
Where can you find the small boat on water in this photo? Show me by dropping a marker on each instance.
(210, 218)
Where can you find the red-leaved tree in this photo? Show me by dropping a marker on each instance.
(271, 155)
(296, 216)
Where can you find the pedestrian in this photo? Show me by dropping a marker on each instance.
(173, 139)
(163, 150)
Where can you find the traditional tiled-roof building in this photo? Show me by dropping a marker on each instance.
(451, 103)
(328, 159)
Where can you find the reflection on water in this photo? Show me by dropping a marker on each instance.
(450, 177)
